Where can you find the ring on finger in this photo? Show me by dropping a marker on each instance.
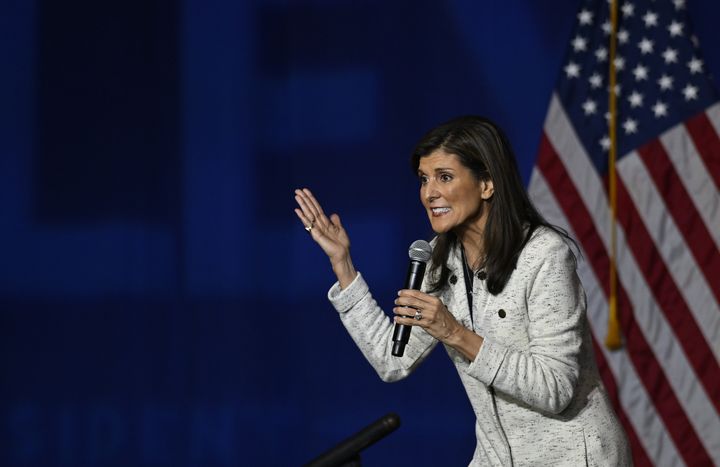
(418, 315)
(310, 227)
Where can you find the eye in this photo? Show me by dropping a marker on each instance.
(445, 177)
(423, 179)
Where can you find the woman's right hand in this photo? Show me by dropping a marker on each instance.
(328, 233)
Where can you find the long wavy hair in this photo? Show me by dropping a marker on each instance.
(482, 147)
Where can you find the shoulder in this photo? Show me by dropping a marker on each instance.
(546, 245)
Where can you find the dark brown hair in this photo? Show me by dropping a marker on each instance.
(482, 147)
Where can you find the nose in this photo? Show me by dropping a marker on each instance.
(429, 191)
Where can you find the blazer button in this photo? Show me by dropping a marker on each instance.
(501, 313)
(481, 275)
(453, 279)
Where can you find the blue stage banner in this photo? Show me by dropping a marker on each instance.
(160, 303)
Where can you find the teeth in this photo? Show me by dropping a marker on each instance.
(440, 210)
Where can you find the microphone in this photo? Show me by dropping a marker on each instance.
(347, 453)
(419, 253)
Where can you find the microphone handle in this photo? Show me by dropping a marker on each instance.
(413, 281)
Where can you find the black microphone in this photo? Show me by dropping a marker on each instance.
(419, 253)
(347, 452)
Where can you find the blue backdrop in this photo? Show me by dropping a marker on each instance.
(160, 303)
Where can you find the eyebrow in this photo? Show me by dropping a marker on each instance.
(439, 169)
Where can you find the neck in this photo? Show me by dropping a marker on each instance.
(471, 239)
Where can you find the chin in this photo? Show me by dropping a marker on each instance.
(440, 228)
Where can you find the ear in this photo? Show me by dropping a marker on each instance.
(486, 189)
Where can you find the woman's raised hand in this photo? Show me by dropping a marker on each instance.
(328, 233)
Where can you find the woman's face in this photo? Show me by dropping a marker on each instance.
(451, 194)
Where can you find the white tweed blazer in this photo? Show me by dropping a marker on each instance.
(534, 385)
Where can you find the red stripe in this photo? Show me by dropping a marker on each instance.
(668, 296)
(707, 143)
(683, 211)
(640, 457)
(647, 367)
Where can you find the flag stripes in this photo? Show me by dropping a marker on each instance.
(669, 334)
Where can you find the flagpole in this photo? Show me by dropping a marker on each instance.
(613, 340)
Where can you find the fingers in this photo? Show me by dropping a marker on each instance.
(310, 206)
(305, 206)
(416, 299)
(313, 202)
(303, 218)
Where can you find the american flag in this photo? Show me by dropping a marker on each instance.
(665, 380)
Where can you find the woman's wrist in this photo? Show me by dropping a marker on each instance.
(464, 341)
(344, 271)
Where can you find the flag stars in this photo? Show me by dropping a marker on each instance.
(579, 44)
(607, 28)
(679, 4)
(676, 29)
(665, 82)
(589, 107)
(695, 65)
(635, 99)
(646, 46)
(650, 19)
(601, 54)
(630, 126)
(585, 17)
(690, 92)
(605, 143)
(572, 70)
(623, 36)
(595, 80)
(670, 55)
(628, 10)
(619, 63)
(660, 109)
(640, 72)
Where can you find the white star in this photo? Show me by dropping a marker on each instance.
(572, 70)
(618, 89)
(635, 99)
(670, 55)
(619, 63)
(646, 46)
(660, 109)
(628, 10)
(630, 126)
(579, 44)
(650, 19)
(675, 28)
(595, 80)
(665, 82)
(679, 4)
(640, 72)
(585, 17)
(607, 27)
(623, 36)
(605, 143)
(695, 65)
(607, 116)
(690, 92)
(601, 54)
(589, 106)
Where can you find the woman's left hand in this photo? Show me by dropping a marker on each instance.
(415, 308)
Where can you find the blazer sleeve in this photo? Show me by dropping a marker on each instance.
(372, 331)
(544, 374)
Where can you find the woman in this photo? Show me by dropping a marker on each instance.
(501, 294)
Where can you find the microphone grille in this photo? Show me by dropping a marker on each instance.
(420, 250)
